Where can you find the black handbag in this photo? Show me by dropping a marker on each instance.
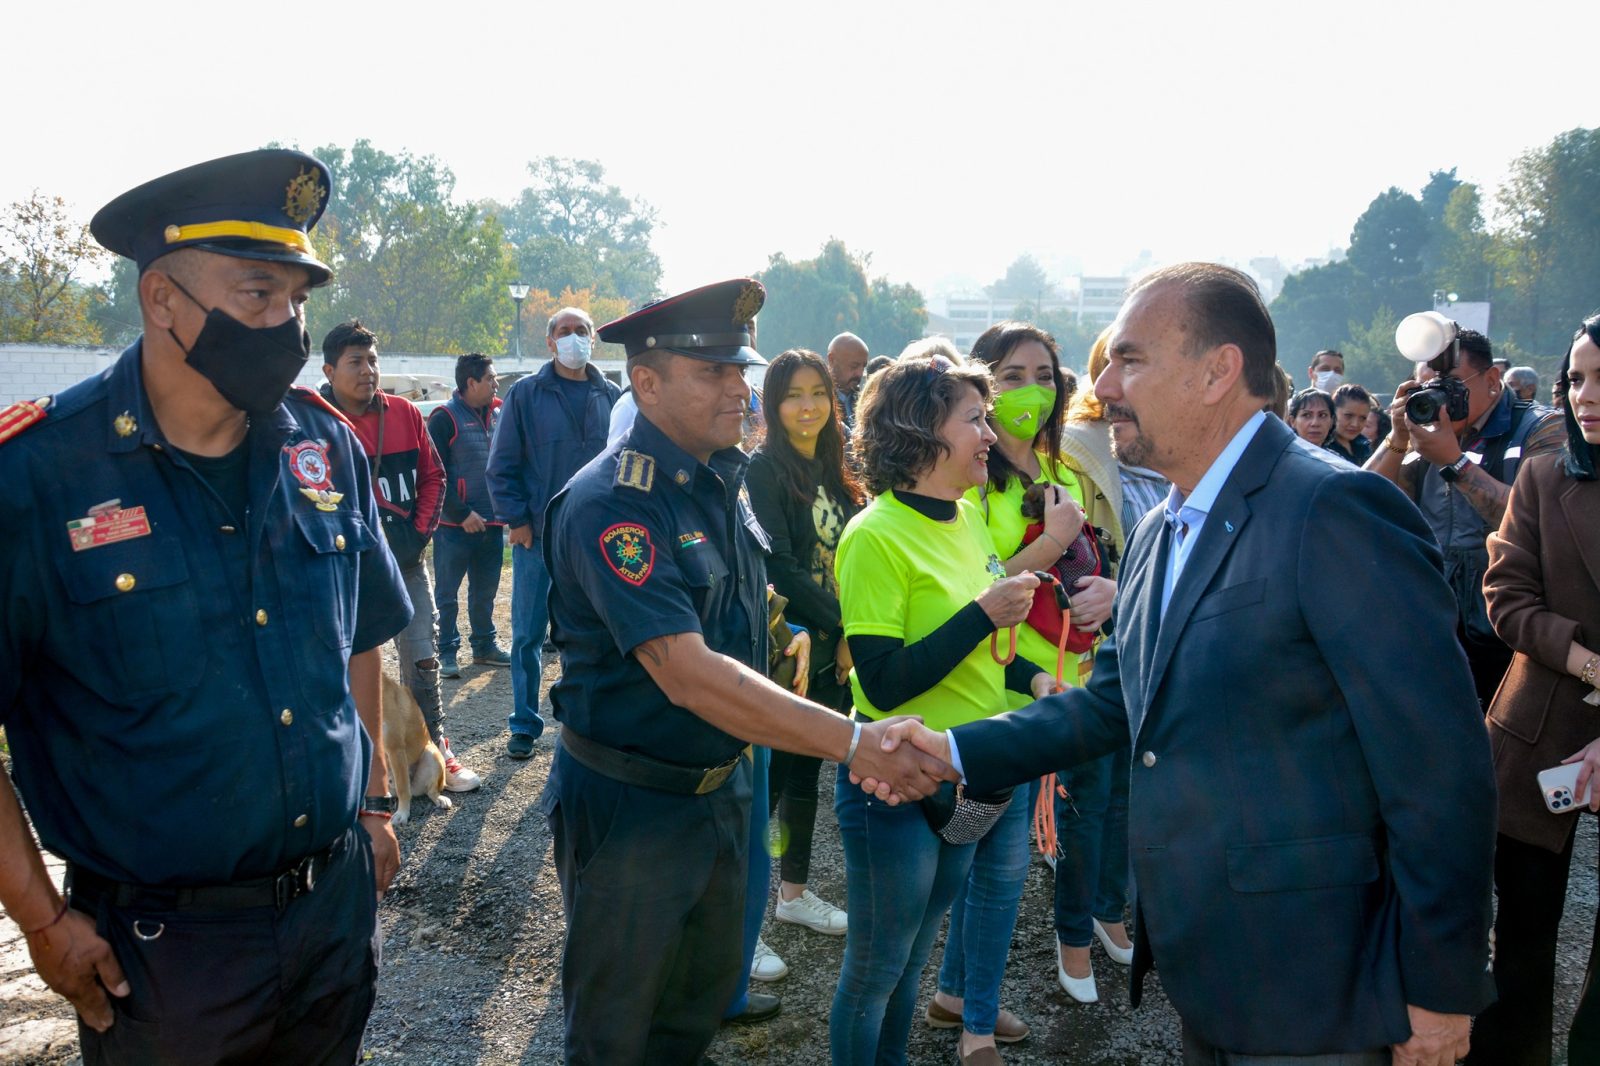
(958, 818)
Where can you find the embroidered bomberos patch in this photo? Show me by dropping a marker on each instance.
(628, 551)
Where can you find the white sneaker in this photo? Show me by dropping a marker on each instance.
(457, 778)
(766, 966)
(813, 913)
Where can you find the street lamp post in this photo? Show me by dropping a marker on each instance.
(519, 292)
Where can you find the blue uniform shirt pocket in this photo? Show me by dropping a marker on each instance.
(136, 629)
(327, 587)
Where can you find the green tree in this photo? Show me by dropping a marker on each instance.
(44, 257)
(427, 274)
(1547, 242)
(1314, 312)
(1442, 184)
(809, 301)
(1464, 247)
(116, 314)
(1024, 279)
(1386, 250)
(572, 230)
(1370, 356)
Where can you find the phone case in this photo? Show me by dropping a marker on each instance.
(1557, 785)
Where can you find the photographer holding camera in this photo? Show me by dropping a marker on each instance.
(1454, 448)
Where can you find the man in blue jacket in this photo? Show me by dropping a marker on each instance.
(551, 424)
(468, 544)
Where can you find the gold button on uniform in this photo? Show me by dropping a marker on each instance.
(338, 542)
(1149, 758)
(287, 717)
(300, 822)
(261, 617)
(125, 582)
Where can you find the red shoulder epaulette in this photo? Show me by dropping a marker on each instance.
(22, 414)
(305, 394)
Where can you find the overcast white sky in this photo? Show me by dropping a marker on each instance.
(944, 138)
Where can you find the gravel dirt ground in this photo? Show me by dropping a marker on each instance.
(472, 941)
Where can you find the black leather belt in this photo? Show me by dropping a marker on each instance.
(646, 772)
(298, 880)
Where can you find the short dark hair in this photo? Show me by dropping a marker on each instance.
(1475, 349)
(1225, 307)
(897, 425)
(472, 367)
(1327, 351)
(1305, 398)
(1470, 347)
(1351, 391)
(351, 334)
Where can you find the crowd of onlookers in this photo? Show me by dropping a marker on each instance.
(904, 499)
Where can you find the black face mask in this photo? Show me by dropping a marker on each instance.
(251, 368)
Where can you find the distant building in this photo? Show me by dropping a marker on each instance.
(1270, 273)
(1467, 315)
(966, 317)
(1099, 299)
(1093, 301)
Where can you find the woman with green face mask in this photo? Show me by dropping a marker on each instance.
(1030, 404)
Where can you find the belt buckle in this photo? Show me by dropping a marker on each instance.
(296, 881)
(716, 776)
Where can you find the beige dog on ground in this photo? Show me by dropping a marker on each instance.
(416, 765)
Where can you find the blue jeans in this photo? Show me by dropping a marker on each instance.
(1092, 833)
(530, 617)
(478, 558)
(758, 880)
(983, 917)
(899, 881)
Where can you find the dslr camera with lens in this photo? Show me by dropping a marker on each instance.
(1426, 337)
(1443, 393)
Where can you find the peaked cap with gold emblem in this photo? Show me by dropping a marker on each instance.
(715, 323)
(255, 205)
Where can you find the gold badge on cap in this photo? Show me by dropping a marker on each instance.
(303, 196)
(748, 303)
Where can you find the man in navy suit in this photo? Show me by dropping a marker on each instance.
(1313, 809)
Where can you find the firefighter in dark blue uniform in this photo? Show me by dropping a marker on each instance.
(193, 593)
(659, 610)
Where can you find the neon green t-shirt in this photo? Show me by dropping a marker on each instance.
(902, 574)
(1006, 527)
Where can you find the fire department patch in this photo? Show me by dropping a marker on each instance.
(628, 551)
(308, 461)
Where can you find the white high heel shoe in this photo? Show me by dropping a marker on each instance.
(1081, 989)
(1121, 955)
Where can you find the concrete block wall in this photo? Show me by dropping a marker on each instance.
(29, 371)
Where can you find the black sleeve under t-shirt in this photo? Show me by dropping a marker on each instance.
(892, 672)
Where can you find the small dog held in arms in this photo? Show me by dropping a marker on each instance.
(416, 765)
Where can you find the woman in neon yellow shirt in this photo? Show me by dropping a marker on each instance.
(1031, 397)
(921, 591)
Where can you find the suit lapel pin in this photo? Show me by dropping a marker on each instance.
(1227, 525)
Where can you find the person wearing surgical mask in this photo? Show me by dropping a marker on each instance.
(551, 424)
(1326, 371)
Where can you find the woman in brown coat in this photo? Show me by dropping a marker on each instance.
(1543, 591)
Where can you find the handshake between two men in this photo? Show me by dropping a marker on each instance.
(900, 760)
